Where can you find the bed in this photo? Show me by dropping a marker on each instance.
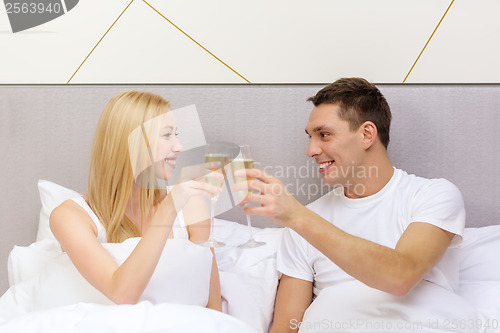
(48, 294)
(42, 127)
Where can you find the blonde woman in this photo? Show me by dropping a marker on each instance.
(120, 208)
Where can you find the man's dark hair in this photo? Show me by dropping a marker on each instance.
(359, 101)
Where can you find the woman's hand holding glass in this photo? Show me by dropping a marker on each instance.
(201, 186)
(216, 158)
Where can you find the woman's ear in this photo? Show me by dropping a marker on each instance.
(369, 133)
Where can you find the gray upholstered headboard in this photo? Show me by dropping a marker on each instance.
(438, 131)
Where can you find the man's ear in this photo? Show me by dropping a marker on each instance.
(369, 133)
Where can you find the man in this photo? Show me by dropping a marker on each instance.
(380, 227)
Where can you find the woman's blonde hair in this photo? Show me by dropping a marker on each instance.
(111, 175)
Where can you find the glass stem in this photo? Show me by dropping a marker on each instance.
(212, 213)
(249, 226)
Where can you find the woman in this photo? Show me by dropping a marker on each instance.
(120, 205)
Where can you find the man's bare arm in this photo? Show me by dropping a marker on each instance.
(395, 271)
(293, 298)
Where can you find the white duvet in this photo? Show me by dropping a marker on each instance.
(141, 317)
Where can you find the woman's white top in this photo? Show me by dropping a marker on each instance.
(183, 272)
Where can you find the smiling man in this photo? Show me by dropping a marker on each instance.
(381, 245)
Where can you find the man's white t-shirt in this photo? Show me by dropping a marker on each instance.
(381, 218)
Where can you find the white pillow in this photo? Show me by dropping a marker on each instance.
(480, 269)
(51, 196)
(249, 278)
(61, 284)
(479, 259)
(182, 275)
(40, 275)
(44, 277)
(57, 284)
(26, 262)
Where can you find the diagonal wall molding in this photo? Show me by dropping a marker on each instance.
(213, 55)
(99, 41)
(428, 41)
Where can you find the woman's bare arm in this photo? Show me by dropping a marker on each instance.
(199, 232)
(73, 228)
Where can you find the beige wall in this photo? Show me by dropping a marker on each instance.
(260, 41)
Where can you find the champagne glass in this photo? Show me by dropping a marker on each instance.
(245, 161)
(217, 159)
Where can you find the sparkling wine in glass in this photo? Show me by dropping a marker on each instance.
(245, 161)
(217, 160)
